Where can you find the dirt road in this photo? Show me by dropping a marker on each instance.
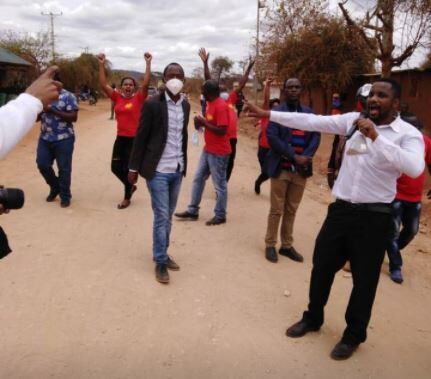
(79, 298)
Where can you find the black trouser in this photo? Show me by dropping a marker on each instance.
(120, 162)
(261, 156)
(232, 155)
(360, 236)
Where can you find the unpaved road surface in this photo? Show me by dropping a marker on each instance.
(78, 298)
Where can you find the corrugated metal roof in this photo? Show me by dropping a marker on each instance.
(7, 57)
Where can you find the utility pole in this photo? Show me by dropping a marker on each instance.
(260, 5)
(51, 16)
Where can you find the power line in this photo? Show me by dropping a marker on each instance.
(51, 16)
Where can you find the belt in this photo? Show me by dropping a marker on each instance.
(367, 207)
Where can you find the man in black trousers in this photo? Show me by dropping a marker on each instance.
(359, 223)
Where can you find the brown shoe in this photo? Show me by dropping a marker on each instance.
(172, 265)
(162, 274)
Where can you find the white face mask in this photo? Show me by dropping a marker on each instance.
(224, 95)
(174, 86)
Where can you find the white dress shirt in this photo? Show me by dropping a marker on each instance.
(173, 153)
(369, 177)
(16, 119)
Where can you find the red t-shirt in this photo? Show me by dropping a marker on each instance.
(217, 114)
(127, 111)
(263, 138)
(410, 189)
(233, 122)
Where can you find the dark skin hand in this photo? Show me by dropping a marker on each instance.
(301, 160)
(132, 177)
(201, 121)
(367, 128)
(64, 116)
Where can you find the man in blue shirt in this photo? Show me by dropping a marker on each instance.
(288, 164)
(56, 142)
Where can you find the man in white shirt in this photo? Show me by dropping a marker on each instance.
(359, 223)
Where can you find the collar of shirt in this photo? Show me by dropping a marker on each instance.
(395, 125)
(169, 100)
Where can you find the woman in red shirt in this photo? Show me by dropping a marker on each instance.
(128, 103)
(263, 140)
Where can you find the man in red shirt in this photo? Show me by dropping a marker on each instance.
(407, 209)
(231, 98)
(214, 157)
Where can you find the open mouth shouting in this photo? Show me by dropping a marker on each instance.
(374, 111)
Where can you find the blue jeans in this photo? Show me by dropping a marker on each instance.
(406, 215)
(61, 152)
(214, 165)
(164, 190)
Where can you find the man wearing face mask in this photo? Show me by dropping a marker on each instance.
(159, 154)
(214, 157)
(231, 99)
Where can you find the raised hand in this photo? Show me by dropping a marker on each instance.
(45, 88)
(204, 55)
(252, 110)
(101, 58)
(251, 64)
(148, 57)
(269, 80)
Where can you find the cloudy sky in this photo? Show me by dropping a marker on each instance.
(172, 30)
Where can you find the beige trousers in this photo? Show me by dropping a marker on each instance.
(286, 194)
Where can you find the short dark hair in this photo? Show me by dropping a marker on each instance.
(172, 64)
(292, 78)
(273, 101)
(211, 87)
(128, 77)
(396, 87)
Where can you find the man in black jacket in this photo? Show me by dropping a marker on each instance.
(160, 156)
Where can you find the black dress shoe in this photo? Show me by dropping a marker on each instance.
(271, 254)
(52, 195)
(292, 254)
(216, 221)
(172, 265)
(300, 329)
(187, 215)
(343, 351)
(257, 187)
(162, 274)
(65, 203)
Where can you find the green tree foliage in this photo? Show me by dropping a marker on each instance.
(34, 49)
(321, 52)
(76, 72)
(220, 65)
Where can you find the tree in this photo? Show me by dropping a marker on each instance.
(76, 72)
(220, 65)
(321, 53)
(34, 49)
(410, 19)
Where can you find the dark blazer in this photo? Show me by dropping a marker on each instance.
(152, 135)
(280, 138)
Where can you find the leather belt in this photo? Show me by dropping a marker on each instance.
(367, 207)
